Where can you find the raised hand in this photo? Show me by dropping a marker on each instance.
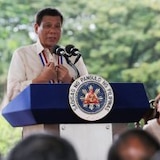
(48, 73)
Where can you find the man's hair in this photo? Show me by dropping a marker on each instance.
(43, 147)
(48, 12)
(147, 140)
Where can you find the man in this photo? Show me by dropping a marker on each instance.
(26, 66)
(43, 147)
(134, 144)
(35, 63)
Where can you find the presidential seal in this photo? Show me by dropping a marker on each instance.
(91, 97)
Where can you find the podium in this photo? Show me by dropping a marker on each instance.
(49, 104)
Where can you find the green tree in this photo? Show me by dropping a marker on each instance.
(116, 35)
(9, 136)
(119, 39)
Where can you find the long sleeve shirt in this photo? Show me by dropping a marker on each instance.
(27, 65)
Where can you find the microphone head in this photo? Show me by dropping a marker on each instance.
(75, 52)
(55, 48)
(69, 48)
(61, 52)
(58, 50)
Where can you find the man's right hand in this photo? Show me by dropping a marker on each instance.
(48, 73)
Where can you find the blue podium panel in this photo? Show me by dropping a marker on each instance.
(130, 103)
(18, 112)
(49, 104)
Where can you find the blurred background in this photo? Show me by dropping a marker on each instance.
(119, 40)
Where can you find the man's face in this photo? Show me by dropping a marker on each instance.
(133, 149)
(49, 31)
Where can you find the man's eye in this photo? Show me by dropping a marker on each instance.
(47, 25)
(58, 26)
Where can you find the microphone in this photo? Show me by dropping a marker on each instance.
(60, 52)
(69, 49)
(72, 51)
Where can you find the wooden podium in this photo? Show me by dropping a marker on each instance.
(48, 105)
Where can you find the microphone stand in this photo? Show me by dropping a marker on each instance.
(73, 66)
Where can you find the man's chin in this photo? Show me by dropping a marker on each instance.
(51, 45)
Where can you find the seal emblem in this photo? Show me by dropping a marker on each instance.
(91, 97)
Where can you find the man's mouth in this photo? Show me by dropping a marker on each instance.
(52, 38)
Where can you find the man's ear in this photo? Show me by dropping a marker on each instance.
(36, 27)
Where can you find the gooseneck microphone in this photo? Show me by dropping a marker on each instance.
(72, 51)
(61, 52)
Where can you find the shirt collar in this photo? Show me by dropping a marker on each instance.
(39, 46)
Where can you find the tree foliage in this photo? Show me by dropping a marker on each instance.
(119, 39)
(9, 136)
